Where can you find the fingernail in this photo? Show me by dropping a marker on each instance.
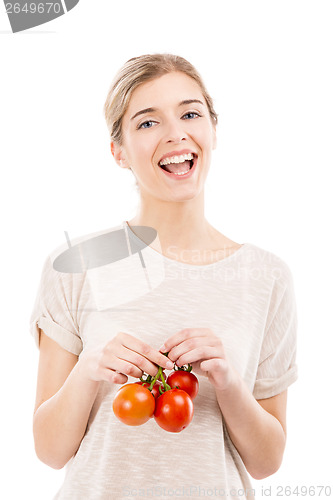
(169, 365)
(162, 348)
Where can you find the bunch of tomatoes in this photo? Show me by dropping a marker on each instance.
(169, 401)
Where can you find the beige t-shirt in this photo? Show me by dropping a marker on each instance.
(110, 281)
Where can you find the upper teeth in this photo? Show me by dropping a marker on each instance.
(176, 159)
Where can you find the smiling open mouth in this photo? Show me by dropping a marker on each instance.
(178, 165)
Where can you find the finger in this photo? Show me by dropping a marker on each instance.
(202, 352)
(214, 364)
(190, 344)
(217, 372)
(113, 376)
(117, 363)
(131, 363)
(147, 352)
(183, 335)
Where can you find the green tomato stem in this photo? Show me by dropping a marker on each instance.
(165, 385)
(158, 374)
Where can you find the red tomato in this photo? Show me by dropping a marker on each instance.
(185, 381)
(155, 390)
(173, 410)
(133, 404)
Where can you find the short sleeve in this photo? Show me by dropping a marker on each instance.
(277, 367)
(52, 311)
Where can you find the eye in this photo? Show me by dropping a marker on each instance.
(190, 115)
(146, 124)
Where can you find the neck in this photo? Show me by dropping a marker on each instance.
(180, 225)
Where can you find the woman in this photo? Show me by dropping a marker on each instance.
(227, 309)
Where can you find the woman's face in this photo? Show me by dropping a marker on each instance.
(167, 117)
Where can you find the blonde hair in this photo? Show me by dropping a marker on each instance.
(139, 70)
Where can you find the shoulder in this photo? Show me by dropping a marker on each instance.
(267, 262)
(77, 254)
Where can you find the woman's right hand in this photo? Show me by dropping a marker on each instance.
(122, 356)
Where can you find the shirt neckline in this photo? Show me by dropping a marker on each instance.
(231, 257)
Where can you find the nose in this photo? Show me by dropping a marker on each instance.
(175, 132)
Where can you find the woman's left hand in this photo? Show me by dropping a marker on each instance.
(201, 348)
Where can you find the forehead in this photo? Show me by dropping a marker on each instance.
(169, 89)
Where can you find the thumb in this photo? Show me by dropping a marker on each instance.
(216, 369)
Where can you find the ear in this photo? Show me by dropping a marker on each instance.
(118, 155)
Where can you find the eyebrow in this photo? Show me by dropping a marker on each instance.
(152, 110)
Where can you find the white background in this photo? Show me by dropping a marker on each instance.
(268, 67)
